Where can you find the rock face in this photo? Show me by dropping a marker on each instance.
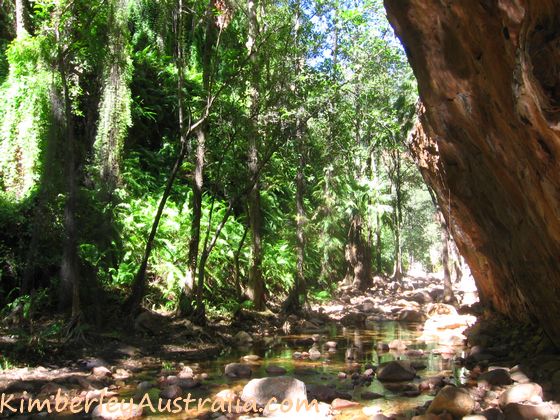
(489, 140)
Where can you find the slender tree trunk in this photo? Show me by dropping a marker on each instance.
(69, 281)
(236, 275)
(185, 304)
(21, 19)
(256, 287)
(448, 296)
(398, 273)
(378, 245)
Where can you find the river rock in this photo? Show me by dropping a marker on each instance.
(325, 393)
(171, 392)
(521, 392)
(368, 395)
(341, 404)
(280, 387)
(238, 370)
(117, 411)
(455, 401)
(101, 372)
(275, 370)
(243, 339)
(496, 377)
(314, 353)
(516, 411)
(396, 371)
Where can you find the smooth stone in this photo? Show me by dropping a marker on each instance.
(171, 392)
(275, 370)
(341, 404)
(238, 370)
(279, 387)
(242, 338)
(496, 377)
(396, 371)
(455, 401)
(516, 411)
(101, 372)
(520, 393)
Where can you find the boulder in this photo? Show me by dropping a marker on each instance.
(238, 370)
(521, 392)
(517, 411)
(396, 371)
(171, 392)
(280, 387)
(496, 377)
(243, 339)
(453, 400)
(411, 315)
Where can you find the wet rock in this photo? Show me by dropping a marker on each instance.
(396, 371)
(171, 392)
(275, 370)
(119, 411)
(280, 387)
(455, 401)
(238, 370)
(242, 339)
(399, 387)
(368, 395)
(520, 393)
(496, 377)
(325, 393)
(418, 364)
(517, 411)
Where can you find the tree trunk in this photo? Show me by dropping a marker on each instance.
(185, 303)
(448, 296)
(256, 282)
(69, 276)
(21, 19)
(358, 257)
(398, 272)
(236, 279)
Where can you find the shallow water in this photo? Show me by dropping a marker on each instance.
(325, 370)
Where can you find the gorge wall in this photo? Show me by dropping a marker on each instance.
(488, 73)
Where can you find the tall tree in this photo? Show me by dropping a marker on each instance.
(256, 287)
